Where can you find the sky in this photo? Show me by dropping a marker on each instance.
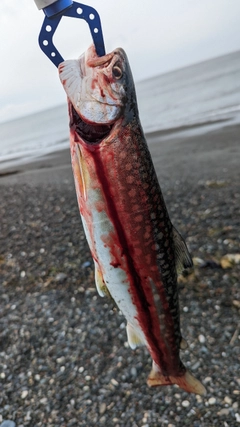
(158, 36)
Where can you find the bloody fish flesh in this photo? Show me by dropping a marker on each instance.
(136, 250)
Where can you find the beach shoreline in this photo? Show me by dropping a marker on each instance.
(213, 154)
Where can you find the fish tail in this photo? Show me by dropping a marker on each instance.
(187, 382)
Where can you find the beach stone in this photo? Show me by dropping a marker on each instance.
(198, 262)
(60, 277)
(196, 366)
(228, 400)
(8, 423)
(24, 394)
(102, 408)
(133, 371)
(86, 264)
(229, 260)
(223, 411)
(33, 348)
(201, 339)
(237, 416)
(212, 401)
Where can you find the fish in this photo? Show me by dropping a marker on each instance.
(137, 252)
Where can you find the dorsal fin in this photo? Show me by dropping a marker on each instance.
(182, 255)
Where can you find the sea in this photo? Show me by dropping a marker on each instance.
(193, 99)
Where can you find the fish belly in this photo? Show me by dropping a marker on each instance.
(116, 280)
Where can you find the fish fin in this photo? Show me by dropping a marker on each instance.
(79, 173)
(134, 340)
(70, 76)
(100, 284)
(190, 384)
(187, 381)
(182, 255)
(183, 344)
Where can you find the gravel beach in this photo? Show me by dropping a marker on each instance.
(64, 357)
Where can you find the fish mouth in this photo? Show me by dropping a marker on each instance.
(91, 133)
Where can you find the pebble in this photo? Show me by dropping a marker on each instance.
(228, 400)
(133, 371)
(8, 423)
(86, 264)
(60, 277)
(195, 366)
(28, 416)
(102, 408)
(223, 411)
(199, 262)
(212, 401)
(201, 339)
(47, 329)
(24, 394)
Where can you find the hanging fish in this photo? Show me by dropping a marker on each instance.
(136, 250)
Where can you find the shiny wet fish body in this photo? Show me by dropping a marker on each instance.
(136, 250)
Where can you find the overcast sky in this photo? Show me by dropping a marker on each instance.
(157, 35)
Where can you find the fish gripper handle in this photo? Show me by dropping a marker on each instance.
(54, 13)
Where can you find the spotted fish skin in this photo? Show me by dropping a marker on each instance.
(135, 248)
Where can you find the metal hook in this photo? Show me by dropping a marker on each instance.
(77, 10)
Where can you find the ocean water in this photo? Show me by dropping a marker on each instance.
(207, 92)
(192, 98)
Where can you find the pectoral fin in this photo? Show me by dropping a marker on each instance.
(182, 255)
(134, 339)
(100, 284)
(80, 172)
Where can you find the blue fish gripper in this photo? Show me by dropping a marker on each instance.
(54, 11)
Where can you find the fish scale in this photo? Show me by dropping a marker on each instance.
(136, 250)
(122, 217)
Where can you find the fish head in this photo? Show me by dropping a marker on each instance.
(100, 91)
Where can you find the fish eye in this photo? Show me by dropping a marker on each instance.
(117, 71)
